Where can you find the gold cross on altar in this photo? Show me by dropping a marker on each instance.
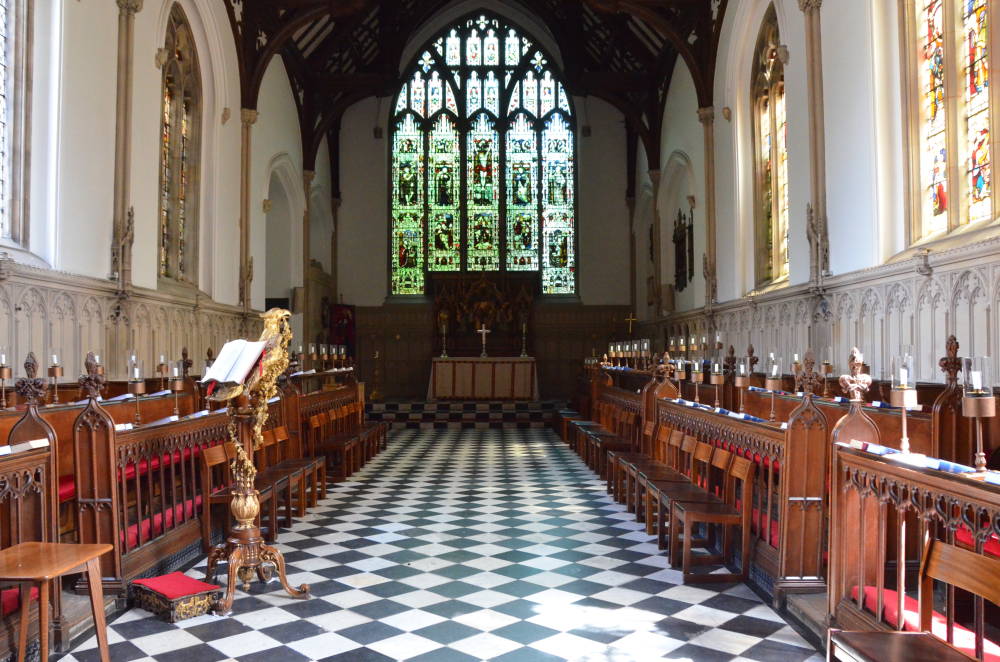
(630, 319)
(483, 331)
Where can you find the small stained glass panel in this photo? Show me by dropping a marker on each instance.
(558, 208)
(976, 32)
(483, 198)
(930, 31)
(444, 176)
(522, 195)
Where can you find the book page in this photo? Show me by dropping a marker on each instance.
(219, 371)
(245, 362)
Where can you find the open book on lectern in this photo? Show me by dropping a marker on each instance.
(234, 363)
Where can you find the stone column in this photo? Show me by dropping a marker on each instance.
(654, 176)
(307, 321)
(121, 266)
(706, 116)
(819, 252)
(248, 117)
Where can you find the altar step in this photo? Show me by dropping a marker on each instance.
(464, 415)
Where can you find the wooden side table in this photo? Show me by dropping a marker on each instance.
(38, 563)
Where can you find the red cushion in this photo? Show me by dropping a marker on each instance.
(963, 638)
(10, 599)
(67, 488)
(154, 526)
(964, 536)
(175, 585)
(757, 522)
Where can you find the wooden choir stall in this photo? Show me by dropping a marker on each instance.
(882, 505)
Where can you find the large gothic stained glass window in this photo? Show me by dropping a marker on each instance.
(771, 155)
(483, 167)
(180, 124)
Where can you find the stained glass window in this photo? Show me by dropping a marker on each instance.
(5, 100)
(489, 116)
(975, 26)
(951, 44)
(180, 124)
(935, 154)
(771, 162)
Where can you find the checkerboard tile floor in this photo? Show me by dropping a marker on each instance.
(460, 545)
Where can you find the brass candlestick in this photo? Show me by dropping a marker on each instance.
(137, 387)
(5, 375)
(717, 379)
(444, 341)
(978, 407)
(163, 369)
(698, 377)
(903, 398)
(827, 371)
(681, 374)
(772, 384)
(524, 340)
(177, 386)
(740, 383)
(55, 372)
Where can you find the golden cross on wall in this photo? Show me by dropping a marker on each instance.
(631, 319)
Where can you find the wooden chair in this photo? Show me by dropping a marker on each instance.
(732, 510)
(37, 564)
(976, 573)
(314, 469)
(660, 493)
(217, 488)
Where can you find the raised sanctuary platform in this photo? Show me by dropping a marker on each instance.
(483, 378)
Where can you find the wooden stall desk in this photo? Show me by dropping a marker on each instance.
(38, 563)
(483, 378)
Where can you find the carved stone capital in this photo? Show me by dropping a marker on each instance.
(810, 5)
(248, 116)
(129, 6)
(706, 114)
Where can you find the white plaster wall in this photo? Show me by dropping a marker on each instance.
(363, 215)
(279, 246)
(642, 222)
(276, 143)
(852, 185)
(603, 230)
(321, 210)
(683, 138)
(83, 210)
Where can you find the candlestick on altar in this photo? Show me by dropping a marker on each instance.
(483, 331)
(444, 341)
(524, 339)
(978, 401)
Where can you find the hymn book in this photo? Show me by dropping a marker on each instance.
(234, 362)
(29, 445)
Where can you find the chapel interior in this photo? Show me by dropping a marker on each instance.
(507, 330)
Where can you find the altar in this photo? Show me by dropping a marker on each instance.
(486, 378)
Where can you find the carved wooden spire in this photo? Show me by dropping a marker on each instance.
(186, 363)
(729, 363)
(93, 381)
(950, 363)
(751, 359)
(807, 379)
(31, 387)
(856, 384)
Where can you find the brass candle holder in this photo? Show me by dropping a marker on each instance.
(680, 373)
(717, 379)
(827, 369)
(444, 341)
(698, 378)
(5, 376)
(978, 401)
(177, 387)
(163, 369)
(55, 372)
(741, 382)
(137, 387)
(902, 393)
(773, 385)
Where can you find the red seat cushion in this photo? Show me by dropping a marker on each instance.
(10, 599)
(176, 585)
(964, 536)
(67, 488)
(964, 639)
(759, 521)
(154, 526)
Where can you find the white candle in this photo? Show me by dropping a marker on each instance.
(977, 380)
(176, 372)
(3, 359)
(795, 358)
(743, 369)
(55, 359)
(774, 371)
(135, 373)
(715, 367)
(163, 358)
(903, 375)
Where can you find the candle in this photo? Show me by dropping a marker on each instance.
(977, 380)
(774, 370)
(442, 330)
(524, 327)
(163, 358)
(176, 372)
(795, 358)
(135, 373)
(743, 369)
(903, 375)
(55, 359)
(715, 368)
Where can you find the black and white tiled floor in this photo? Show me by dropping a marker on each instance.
(471, 545)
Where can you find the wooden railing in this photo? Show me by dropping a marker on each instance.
(884, 510)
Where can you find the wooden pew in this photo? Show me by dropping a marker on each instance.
(883, 512)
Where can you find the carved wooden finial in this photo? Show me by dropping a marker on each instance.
(857, 383)
(186, 363)
(807, 380)
(950, 363)
(209, 356)
(729, 362)
(751, 359)
(31, 387)
(93, 381)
